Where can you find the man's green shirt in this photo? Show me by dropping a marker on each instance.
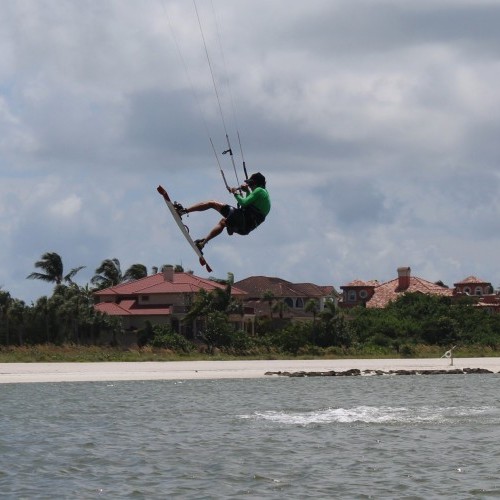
(259, 198)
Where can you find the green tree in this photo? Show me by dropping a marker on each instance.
(17, 317)
(210, 310)
(200, 306)
(219, 299)
(440, 330)
(269, 297)
(280, 307)
(51, 264)
(135, 272)
(330, 311)
(165, 338)
(68, 315)
(334, 329)
(5, 302)
(217, 331)
(293, 337)
(108, 274)
(41, 321)
(312, 306)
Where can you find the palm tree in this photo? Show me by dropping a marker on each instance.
(51, 263)
(269, 297)
(108, 274)
(135, 272)
(280, 307)
(312, 307)
(330, 312)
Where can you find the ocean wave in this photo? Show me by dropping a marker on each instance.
(381, 415)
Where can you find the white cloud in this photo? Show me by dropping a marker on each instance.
(66, 208)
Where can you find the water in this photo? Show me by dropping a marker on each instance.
(363, 437)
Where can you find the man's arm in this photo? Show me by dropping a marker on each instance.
(249, 199)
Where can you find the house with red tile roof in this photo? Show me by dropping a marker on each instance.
(292, 297)
(473, 286)
(162, 298)
(373, 294)
(481, 290)
(379, 295)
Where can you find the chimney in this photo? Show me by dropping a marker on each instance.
(154, 270)
(168, 273)
(404, 274)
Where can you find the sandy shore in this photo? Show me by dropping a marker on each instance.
(182, 370)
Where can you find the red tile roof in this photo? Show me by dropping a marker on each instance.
(157, 284)
(362, 284)
(129, 307)
(390, 291)
(472, 280)
(256, 286)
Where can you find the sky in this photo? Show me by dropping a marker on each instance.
(375, 122)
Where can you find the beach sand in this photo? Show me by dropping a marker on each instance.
(183, 370)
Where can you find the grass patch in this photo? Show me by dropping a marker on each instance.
(78, 353)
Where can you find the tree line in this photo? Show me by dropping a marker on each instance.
(68, 316)
(412, 321)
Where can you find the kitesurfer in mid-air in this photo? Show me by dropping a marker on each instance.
(251, 211)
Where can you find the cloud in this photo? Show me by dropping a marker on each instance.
(372, 121)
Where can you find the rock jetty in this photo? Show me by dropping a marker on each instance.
(355, 372)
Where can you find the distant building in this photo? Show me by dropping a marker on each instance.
(481, 290)
(372, 294)
(473, 286)
(379, 295)
(273, 297)
(162, 298)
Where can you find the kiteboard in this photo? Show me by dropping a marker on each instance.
(184, 229)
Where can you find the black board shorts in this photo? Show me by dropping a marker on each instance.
(241, 220)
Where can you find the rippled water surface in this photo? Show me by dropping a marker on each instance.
(362, 437)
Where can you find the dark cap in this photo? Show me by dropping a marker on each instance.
(257, 179)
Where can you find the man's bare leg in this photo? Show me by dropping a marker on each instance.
(201, 207)
(215, 231)
(212, 234)
(205, 205)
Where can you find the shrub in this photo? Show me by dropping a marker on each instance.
(165, 338)
(407, 351)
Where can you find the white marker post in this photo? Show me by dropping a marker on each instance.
(449, 355)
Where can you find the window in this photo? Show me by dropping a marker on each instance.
(145, 298)
(299, 303)
(467, 290)
(289, 302)
(479, 290)
(363, 294)
(351, 296)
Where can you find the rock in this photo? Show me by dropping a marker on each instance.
(349, 373)
(476, 370)
(404, 372)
